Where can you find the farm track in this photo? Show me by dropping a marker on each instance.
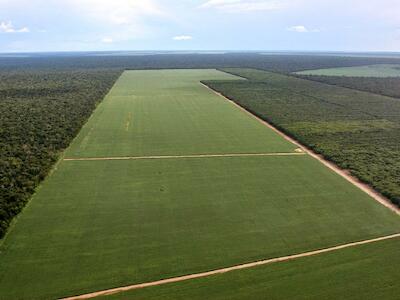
(228, 269)
(355, 181)
(185, 156)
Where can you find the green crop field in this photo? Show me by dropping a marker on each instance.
(359, 71)
(365, 272)
(169, 112)
(95, 225)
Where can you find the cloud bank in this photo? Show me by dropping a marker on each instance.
(237, 6)
(8, 27)
(182, 38)
(302, 29)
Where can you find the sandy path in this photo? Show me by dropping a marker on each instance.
(186, 156)
(364, 187)
(228, 269)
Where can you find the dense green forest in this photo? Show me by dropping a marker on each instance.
(357, 130)
(385, 86)
(277, 63)
(41, 112)
(45, 99)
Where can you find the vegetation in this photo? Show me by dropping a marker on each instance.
(41, 112)
(359, 131)
(45, 99)
(364, 272)
(276, 63)
(120, 222)
(384, 86)
(381, 70)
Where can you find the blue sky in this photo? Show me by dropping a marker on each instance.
(85, 25)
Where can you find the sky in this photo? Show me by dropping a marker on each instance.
(271, 25)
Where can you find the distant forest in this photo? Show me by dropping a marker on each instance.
(275, 63)
(389, 86)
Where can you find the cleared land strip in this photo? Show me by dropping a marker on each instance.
(228, 269)
(355, 181)
(186, 156)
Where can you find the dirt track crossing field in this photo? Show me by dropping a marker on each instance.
(108, 216)
(185, 156)
(229, 269)
(367, 271)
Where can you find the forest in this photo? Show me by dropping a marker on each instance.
(389, 86)
(358, 131)
(41, 112)
(276, 63)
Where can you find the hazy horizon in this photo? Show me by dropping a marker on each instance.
(138, 53)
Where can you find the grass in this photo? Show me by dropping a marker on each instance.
(95, 225)
(360, 273)
(359, 71)
(169, 113)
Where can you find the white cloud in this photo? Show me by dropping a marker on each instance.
(298, 28)
(236, 6)
(107, 40)
(118, 12)
(182, 38)
(124, 20)
(8, 27)
(302, 29)
(216, 3)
